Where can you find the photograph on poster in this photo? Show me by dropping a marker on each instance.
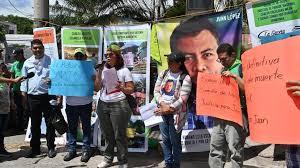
(92, 54)
(139, 94)
(134, 54)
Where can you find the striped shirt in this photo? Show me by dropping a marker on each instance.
(179, 100)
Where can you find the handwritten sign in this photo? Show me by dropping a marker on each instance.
(71, 78)
(218, 96)
(273, 113)
(48, 37)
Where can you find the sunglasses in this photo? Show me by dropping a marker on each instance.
(109, 54)
(37, 48)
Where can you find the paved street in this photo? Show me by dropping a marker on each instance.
(257, 156)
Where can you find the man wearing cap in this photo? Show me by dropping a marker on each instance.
(16, 71)
(171, 92)
(35, 90)
(79, 107)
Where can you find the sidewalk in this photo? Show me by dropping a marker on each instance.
(256, 156)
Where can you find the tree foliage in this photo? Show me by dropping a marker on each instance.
(100, 12)
(178, 9)
(2, 33)
(24, 25)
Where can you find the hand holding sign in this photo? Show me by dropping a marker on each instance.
(273, 108)
(294, 87)
(218, 96)
(229, 74)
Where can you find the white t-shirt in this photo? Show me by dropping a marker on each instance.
(78, 101)
(169, 88)
(124, 75)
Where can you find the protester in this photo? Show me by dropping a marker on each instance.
(4, 104)
(16, 71)
(292, 154)
(79, 107)
(228, 135)
(113, 109)
(171, 93)
(35, 90)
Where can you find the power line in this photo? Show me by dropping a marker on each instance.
(16, 8)
(159, 20)
(29, 17)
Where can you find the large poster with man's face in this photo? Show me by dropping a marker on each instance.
(198, 38)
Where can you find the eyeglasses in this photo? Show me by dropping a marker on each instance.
(37, 47)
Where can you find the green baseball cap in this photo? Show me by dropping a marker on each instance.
(114, 48)
(79, 50)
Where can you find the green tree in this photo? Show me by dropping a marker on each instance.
(24, 25)
(178, 9)
(2, 33)
(100, 12)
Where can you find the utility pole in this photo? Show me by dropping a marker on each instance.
(154, 7)
(41, 12)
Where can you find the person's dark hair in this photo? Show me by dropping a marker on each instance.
(119, 63)
(3, 67)
(37, 41)
(179, 58)
(79, 54)
(226, 48)
(192, 27)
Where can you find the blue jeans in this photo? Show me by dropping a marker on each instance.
(171, 142)
(292, 156)
(73, 114)
(3, 123)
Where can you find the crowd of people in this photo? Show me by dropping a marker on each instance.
(195, 48)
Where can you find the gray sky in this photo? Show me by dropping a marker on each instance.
(25, 6)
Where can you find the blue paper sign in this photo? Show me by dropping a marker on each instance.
(71, 78)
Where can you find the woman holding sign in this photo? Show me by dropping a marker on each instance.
(113, 109)
(171, 92)
(4, 104)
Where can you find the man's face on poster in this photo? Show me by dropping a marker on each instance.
(168, 87)
(200, 52)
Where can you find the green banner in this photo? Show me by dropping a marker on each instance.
(124, 35)
(81, 36)
(276, 11)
